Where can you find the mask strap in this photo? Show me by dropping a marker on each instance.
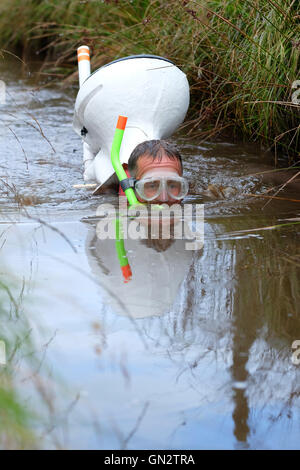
(127, 183)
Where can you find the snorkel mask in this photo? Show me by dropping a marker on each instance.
(150, 188)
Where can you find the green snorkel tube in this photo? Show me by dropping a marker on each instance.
(120, 172)
(129, 192)
(115, 159)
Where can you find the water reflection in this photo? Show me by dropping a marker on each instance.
(216, 328)
(232, 308)
(266, 319)
(158, 268)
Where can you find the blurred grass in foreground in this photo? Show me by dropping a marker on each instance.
(16, 420)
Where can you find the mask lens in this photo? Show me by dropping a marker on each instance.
(148, 189)
(174, 188)
(151, 188)
(177, 188)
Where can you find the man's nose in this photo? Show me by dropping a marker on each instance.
(164, 196)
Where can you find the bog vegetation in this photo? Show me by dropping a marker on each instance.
(241, 56)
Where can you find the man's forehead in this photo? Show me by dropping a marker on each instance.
(146, 164)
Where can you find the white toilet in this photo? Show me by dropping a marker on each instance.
(150, 90)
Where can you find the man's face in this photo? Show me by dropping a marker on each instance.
(147, 167)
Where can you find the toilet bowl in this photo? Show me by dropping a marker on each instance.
(151, 91)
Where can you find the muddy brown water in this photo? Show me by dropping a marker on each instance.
(196, 351)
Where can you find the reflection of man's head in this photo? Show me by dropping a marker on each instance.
(157, 244)
(157, 167)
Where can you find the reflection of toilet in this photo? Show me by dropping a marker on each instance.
(156, 275)
(151, 91)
